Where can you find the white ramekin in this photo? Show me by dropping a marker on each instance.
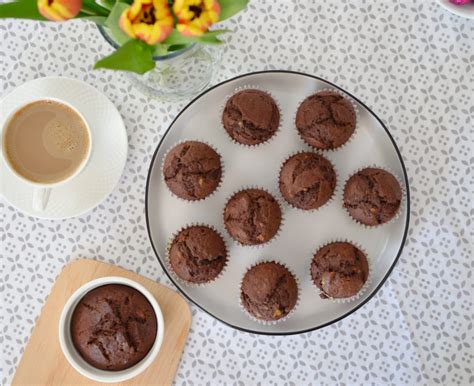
(73, 356)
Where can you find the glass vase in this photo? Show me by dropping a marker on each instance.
(177, 75)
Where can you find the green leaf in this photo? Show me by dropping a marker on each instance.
(109, 4)
(21, 9)
(160, 49)
(112, 23)
(209, 37)
(135, 56)
(176, 38)
(230, 7)
(93, 8)
(177, 47)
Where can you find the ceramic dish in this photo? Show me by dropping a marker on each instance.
(302, 232)
(466, 10)
(106, 162)
(75, 359)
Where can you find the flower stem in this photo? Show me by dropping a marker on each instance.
(92, 8)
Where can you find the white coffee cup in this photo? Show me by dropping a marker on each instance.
(42, 191)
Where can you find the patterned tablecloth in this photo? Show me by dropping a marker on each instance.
(412, 63)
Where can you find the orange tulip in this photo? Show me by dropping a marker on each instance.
(147, 20)
(59, 10)
(196, 16)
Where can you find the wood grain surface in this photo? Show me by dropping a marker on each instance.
(43, 362)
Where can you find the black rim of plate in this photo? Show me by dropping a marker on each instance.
(404, 176)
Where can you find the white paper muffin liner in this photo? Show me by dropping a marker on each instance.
(364, 288)
(269, 322)
(345, 96)
(220, 159)
(251, 87)
(334, 193)
(170, 268)
(282, 222)
(402, 201)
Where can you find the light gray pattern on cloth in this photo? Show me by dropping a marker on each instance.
(412, 63)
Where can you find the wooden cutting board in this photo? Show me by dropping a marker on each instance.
(43, 362)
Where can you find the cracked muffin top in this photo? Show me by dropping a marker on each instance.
(339, 270)
(269, 291)
(372, 196)
(251, 117)
(198, 254)
(113, 327)
(326, 120)
(307, 180)
(192, 170)
(252, 216)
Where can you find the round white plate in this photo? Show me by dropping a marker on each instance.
(466, 10)
(108, 157)
(302, 232)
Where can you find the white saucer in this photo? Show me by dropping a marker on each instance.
(459, 10)
(109, 149)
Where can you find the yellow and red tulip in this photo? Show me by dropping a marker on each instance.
(147, 20)
(59, 10)
(196, 16)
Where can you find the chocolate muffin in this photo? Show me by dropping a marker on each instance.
(326, 120)
(198, 254)
(307, 180)
(113, 327)
(372, 196)
(339, 270)
(269, 291)
(192, 170)
(252, 216)
(251, 117)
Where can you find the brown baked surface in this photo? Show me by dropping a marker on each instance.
(198, 254)
(269, 291)
(113, 327)
(339, 269)
(307, 180)
(192, 170)
(372, 196)
(251, 117)
(252, 216)
(326, 120)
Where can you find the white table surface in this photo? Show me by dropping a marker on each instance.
(412, 63)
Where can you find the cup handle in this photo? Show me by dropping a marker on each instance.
(41, 198)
